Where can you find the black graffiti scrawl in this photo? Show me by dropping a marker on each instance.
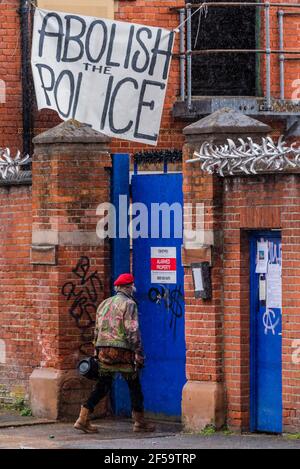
(84, 295)
(172, 299)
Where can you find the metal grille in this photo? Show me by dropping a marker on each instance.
(190, 53)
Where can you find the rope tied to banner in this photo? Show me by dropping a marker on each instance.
(203, 7)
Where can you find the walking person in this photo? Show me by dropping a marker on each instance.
(119, 349)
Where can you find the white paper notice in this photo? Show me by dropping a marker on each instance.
(262, 257)
(164, 265)
(274, 286)
(198, 279)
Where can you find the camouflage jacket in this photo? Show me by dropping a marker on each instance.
(117, 324)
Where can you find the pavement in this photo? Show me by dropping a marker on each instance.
(13, 419)
(117, 434)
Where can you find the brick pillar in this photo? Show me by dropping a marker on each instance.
(208, 323)
(70, 263)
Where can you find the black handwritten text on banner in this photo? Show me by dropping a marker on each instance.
(109, 74)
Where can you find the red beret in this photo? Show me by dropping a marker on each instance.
(124, 279)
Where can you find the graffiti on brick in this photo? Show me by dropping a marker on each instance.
(84, 298)
(171, 300)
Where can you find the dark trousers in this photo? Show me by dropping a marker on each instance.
(104, 385)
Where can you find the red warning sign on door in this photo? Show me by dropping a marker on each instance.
(163, 265)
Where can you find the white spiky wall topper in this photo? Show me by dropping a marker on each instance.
(247, 157)
(11, 166)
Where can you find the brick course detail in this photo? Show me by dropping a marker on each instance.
(43, 264)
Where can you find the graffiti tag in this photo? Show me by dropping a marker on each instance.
(270, 322)
(172, 300)
(84, 297)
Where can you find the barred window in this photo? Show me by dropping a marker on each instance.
(226, 74)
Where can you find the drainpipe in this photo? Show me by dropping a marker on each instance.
(268, 57)
(189, 56)
(282, 56)
(24, 12)
(182, 56)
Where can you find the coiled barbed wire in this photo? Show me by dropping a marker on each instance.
(248, 157)
(10, 166)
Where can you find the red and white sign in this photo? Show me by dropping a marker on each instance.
(163, 265)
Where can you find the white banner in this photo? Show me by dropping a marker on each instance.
(108, 74)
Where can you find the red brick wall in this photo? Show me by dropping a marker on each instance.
(218, 331)
(203, 319)
(37, 323)
(18, 320)
(65, 199)
(275, 202)
(10, 72)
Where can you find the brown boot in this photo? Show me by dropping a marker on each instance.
(140, 424)
(83, 422)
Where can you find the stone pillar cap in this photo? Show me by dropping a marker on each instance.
(227, 121)
(71, 131)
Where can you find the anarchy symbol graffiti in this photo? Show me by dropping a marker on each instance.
(270, 322)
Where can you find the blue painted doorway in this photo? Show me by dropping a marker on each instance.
(266, 332)
(159, 278)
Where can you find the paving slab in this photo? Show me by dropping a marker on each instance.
(14, 419)
(63, 435)
(117, 434)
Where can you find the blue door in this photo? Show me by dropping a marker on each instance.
(159, 280)
(266, 332)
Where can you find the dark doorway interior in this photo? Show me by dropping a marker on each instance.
(225, 74)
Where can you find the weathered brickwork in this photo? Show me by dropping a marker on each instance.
(63, 203)
(218, 331)
(275, 204)
(18, 321)
(10, 74)
(39, 322)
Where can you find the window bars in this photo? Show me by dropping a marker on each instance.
(186, 53)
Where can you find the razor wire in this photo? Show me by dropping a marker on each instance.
(247, 157)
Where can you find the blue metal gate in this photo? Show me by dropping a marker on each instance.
(266, 332)
(160, 291)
